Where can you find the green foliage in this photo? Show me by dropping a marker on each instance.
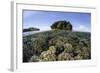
(62, 25)
(57, 46)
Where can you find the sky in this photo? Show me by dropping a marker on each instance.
(44, 19)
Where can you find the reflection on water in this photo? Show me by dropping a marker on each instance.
(30, 32)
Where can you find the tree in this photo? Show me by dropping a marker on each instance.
(62, 25)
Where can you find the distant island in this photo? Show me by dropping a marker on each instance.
(31, 29)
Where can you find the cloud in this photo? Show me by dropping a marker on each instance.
(82, 28)
(44, 28)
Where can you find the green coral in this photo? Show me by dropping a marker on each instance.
(64, 56)
(57, 46)
(49, 55)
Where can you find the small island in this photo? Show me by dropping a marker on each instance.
(31, 29)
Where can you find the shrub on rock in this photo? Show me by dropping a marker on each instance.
(62, 25)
